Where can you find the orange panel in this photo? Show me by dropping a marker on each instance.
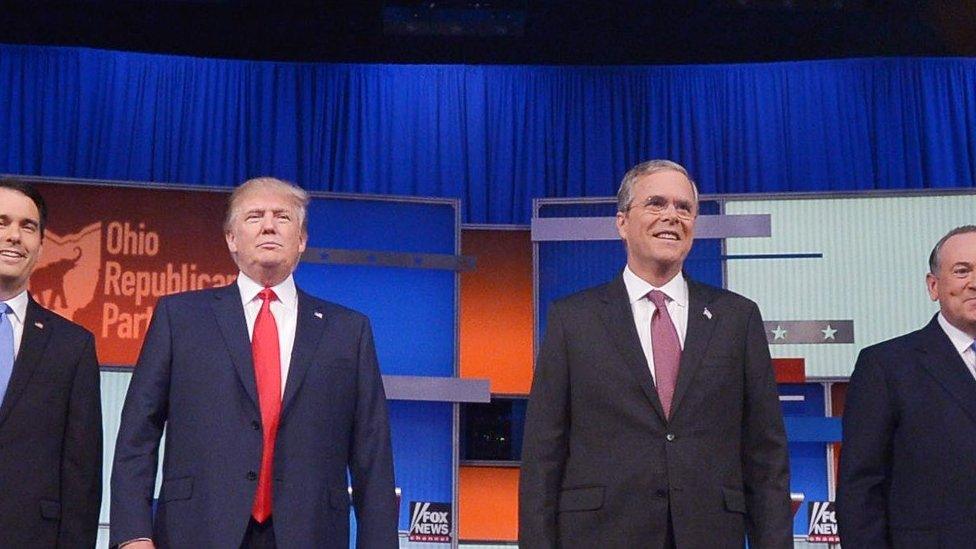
(488, 503)
(496, 309)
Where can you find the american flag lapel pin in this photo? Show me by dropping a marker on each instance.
(707, 313)
(39, 324)
(317, 314)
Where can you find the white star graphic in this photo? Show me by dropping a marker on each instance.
(829, 332)
(779, 333)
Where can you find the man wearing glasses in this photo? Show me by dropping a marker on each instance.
(654, 419)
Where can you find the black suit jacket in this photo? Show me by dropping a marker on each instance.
(195, 376)
(600, 463)
(51, 437)
(908, 463)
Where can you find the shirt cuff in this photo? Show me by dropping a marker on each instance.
(131, 541)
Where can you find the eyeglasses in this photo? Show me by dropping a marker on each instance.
(656, 205)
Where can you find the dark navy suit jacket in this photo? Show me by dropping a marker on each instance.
(908, 463)
(51, 437)
(195, 378)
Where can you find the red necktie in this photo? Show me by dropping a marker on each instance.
(666, 349)
(267, 374)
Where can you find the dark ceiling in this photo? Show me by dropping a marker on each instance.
(503, 31)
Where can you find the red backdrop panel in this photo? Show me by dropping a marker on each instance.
(110, 252)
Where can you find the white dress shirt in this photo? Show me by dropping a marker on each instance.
(285, 312)
(677, 291)
(962, 341)
(18, 307)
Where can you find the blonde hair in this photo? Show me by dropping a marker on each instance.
(298, 195)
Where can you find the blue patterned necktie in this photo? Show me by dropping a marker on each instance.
(6, 349)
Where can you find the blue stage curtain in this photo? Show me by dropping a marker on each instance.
(493, 136)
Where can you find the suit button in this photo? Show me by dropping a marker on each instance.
(661, 492)
(670, 437)
(251, 475)
(256, 425)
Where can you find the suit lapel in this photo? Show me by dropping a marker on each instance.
(37, 331)
(229, 312)
(619, 320)
(938, 356)
(697, 337)
(308, 331)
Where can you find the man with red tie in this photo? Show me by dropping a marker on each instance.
(269, 397)
(654, 419)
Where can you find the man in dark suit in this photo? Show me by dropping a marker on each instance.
(908, 463)
(654, 419)
(51, 415)
(269, 397)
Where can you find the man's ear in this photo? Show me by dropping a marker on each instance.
(932, 283)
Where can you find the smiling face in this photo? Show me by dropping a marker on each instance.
(20, 241)
(265, 234)
(659, 225)
(953, 284)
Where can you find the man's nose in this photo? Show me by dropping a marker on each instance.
(670, 212)
(268, 223)
(11, 233)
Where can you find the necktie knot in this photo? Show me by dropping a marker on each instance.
(267, 295)
(658, 298)
(4, 308)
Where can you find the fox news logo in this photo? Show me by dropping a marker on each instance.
(823, 522)
(430, 521)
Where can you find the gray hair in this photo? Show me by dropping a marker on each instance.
(296, 193)
(934, 258)
(625, 194)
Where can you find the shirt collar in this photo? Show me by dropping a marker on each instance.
(18, 305)
(285, 290)
(960, 339)
(676, 289)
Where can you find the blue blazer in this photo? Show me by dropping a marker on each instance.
(908, 464)
(195, 377)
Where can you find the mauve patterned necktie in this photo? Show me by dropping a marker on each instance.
(666, 349)
(267, 375)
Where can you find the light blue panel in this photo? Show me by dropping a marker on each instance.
(808, 459)
(412, 310)
(422, 449)
(362, 223)
(808, 475)
(813, 429)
